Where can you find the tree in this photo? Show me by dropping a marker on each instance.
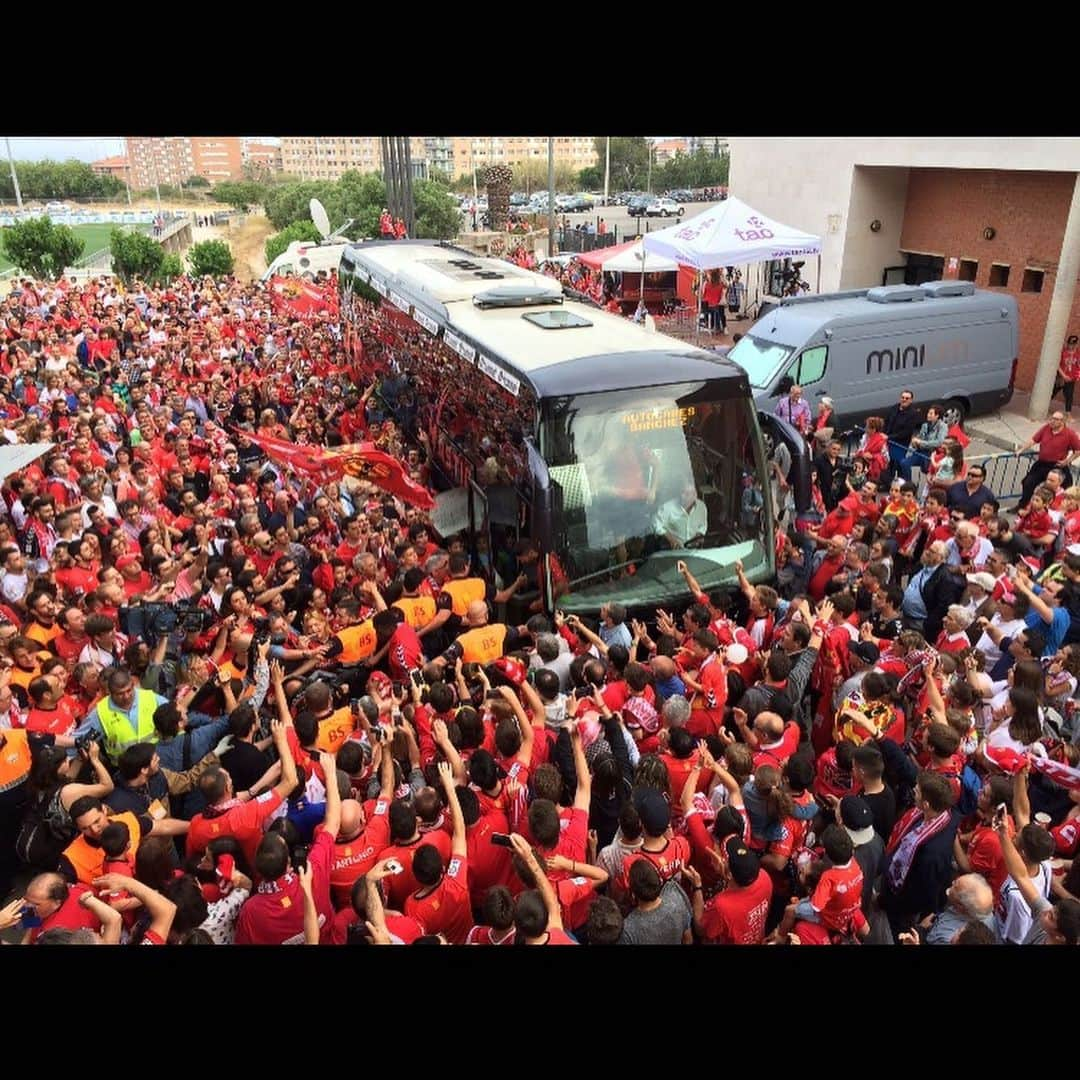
(136, 255)
(591, 178)
(211, 258)
(287, 203)
(437, 215)
(172, 267)
(298, 230)
(239, 193)
(197, 181)
(58, 180)
(40, 248)
(629, 161)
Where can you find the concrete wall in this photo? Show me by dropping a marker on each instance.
(877, 195)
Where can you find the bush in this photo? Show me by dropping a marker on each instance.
(135, 255)
(298, 230)
(40, 248)
(211, 258)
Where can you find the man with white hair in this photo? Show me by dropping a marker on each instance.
(970, 900)
(676, 712)
(978, 600)
(967, 551)
(929, 592)
(954, 625)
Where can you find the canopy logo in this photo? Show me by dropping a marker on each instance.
(756, 230)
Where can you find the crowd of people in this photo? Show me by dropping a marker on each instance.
(244, 704)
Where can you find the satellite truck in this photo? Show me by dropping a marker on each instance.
(305, 258)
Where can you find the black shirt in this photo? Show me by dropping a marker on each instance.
(901, 424)
(883, 807)
(245, 763)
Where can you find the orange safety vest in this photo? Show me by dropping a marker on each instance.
(419, 610)
(357, 642)
(14, 759)
(89, 861)
(463, 591)
(482, 645)
(335, 729)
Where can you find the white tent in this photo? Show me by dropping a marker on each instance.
(728, 234)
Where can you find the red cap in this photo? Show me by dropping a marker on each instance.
(127, 560)
(1006, 759)
(511, 669)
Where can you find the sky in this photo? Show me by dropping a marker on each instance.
(82, 149)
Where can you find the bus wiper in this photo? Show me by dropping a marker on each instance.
(608, 570)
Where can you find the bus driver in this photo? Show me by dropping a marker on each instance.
(683, 520)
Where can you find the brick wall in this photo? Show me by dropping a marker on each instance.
(947, 211)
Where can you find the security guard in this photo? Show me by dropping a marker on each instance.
(483, 642)
(124, 717)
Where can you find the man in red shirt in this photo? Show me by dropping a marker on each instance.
(274, 914)
(979, 851)
(1058, 445)
(73, 638)
(710, 687)
(442, 903)
(831, 565)
(51, 710)
(226, 815)
(406, 841)
(489, 864)
(737, 915)
(361, 840)
(59, 905)
(669, 854)
(136, 580)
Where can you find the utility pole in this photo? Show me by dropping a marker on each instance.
(14, 178)
(648, 183)
(607, 168)
(551, 195)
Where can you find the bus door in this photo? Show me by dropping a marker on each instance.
(480, 531)
(774, 431)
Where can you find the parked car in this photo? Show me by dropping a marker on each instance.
(664, 208)
(56, 208)
(681, 195)
(519, 198)
(639, 204)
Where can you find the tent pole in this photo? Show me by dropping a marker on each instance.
(819, 273)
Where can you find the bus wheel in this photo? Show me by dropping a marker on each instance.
(953, 412)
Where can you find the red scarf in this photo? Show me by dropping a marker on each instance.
(908, 835)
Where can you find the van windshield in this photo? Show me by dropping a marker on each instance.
(760, 359)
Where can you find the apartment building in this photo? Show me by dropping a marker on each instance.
(175, 159)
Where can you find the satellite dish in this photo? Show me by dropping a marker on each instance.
(318, 215)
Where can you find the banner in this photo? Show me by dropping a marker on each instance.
(360, 460)
(299, 297)
(1064, 775)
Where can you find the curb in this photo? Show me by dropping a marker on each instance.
(974, 432)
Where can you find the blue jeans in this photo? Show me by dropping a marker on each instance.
(897, 454)
(913, 458)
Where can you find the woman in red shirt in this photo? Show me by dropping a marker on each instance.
(1068, 372)
(712, 296)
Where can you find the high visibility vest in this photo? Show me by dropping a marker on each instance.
(357, 642)
(116, 725)
(419, 610)
(89, 861)
(463, 591)
(335, 729)
(14, 759)
(482, 645)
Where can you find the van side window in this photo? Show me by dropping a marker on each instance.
(285, 269)
(811, 366)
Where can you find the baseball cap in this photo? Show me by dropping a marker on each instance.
(742, 862)
(381, 679)
(736, 654)
(637, 712)
(866, 651)
(512, 670)
(857, 818)
(127, 560)
(653, 810)
(984, 580)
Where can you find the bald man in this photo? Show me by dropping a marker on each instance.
(59, 905)
(362, 835)
(971, 899)
(484, 642)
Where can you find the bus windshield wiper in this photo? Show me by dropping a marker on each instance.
(608, 570)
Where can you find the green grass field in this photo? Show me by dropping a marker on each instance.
(95, 237)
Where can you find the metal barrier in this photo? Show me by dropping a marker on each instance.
(580, 242)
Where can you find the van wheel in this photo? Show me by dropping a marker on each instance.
(954, 412)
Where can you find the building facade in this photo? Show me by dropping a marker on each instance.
(664, 151)
(471, 152)
(117, 166)
(889, 211)
(263, 157)
(174, 160)
(330, 157)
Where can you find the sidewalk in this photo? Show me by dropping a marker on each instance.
(1007, 427)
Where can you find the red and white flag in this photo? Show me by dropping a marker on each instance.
(1063, 775)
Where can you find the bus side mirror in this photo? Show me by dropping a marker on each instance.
(799, 477)
(783, 386)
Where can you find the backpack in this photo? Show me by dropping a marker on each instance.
(45, 831)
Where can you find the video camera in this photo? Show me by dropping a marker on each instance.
(154, 620)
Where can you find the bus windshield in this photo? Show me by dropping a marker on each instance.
(760, 359)
(645, 478)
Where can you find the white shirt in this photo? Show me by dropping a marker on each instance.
(1014, 917)
(14, 586)
(685, 524)
(986, 645)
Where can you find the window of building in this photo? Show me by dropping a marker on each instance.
(1033, 280)
(969, 269)
(999, 275)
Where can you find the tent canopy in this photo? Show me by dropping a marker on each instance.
(627, 258)
(16, 457)
(729, 234)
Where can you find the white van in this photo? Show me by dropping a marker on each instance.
(946, 341)
(303, 258)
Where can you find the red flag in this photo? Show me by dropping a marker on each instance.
(365, 462)
(301, 298)
(307, 459)
(957, 432)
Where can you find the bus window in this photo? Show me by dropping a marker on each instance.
(645, 474)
